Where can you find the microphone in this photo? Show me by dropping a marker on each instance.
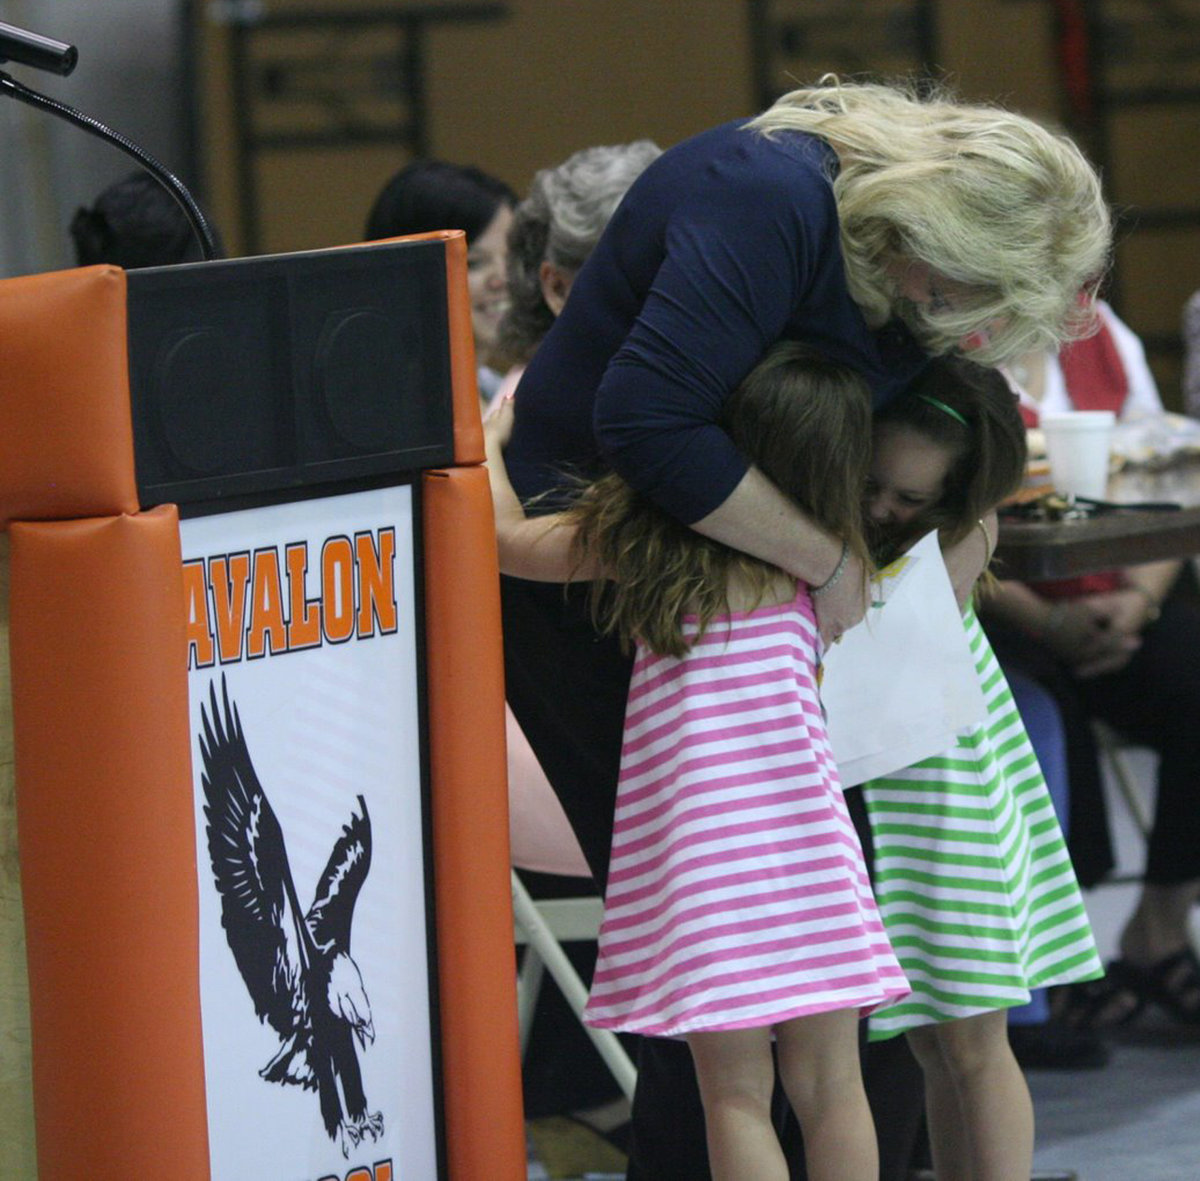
(30, 49)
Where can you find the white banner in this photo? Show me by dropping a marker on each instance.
(306, 755)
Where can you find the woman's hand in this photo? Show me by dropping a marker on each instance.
(1118, 618)
(1095, 634)
(844, 604)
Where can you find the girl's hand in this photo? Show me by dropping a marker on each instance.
(844, 604)
(498, 424)
(965, 563)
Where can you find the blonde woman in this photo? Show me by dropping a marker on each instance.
(874, 224)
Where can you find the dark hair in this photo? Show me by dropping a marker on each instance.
(433, 195)
(970, 410)
(134, 223)
(806, 423)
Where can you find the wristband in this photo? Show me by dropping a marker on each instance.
(839, 570)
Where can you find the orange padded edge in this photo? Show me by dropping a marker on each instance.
(106, 824)
(66, 436)
(480, 1056)
(468, 431)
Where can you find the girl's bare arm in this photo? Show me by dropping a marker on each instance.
(541, 549)
(966, 561)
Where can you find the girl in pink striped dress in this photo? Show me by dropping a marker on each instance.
(738, 908)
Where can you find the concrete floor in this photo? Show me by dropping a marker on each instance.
(1137, 1119)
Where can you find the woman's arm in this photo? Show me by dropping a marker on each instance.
(745, 245)
(538, 548)
(1154, 582)
(760, 520)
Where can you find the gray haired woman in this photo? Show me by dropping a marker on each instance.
(554, 230)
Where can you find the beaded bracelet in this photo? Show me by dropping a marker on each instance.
(839, 570)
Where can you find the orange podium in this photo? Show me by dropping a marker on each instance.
(257, 712)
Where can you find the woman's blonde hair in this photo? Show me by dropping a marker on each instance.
(806, 422)
(989, 199)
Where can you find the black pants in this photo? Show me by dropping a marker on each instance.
(567, 687)
(1153, 701)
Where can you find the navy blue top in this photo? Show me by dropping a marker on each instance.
(727, 243)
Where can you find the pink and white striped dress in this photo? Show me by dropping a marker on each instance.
(737, 894)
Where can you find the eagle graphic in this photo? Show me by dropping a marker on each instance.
(296, 965)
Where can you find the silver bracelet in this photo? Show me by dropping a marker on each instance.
(839, 570)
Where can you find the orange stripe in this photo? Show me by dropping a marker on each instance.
(66, 436)
(107, 832)
(468, 432)
(480, 1057)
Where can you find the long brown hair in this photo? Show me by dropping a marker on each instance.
(806, 422)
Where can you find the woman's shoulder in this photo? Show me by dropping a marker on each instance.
(735, 162)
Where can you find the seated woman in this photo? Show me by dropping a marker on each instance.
(1120, 647)
(431, 195)
(553, 231)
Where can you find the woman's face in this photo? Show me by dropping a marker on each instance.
(907, 478)
(486, 278)
(919, 286)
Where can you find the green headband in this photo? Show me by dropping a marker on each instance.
(947, 409)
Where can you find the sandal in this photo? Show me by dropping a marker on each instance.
(1173, 983)
(1092, 1005)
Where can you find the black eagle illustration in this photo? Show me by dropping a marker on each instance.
(296, 965)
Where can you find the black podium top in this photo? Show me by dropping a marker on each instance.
(262, 376)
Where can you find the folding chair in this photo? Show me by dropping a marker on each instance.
(542, 841)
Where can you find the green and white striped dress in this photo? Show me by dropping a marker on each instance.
(972, 876)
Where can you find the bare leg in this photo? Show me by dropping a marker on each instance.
(737, 1075)
(819, 1066)
(1159, 925)
(949, 1144)
(979, 1110)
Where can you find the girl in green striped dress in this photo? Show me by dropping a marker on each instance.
(972, 876)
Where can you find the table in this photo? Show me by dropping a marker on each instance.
(1032, 550)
